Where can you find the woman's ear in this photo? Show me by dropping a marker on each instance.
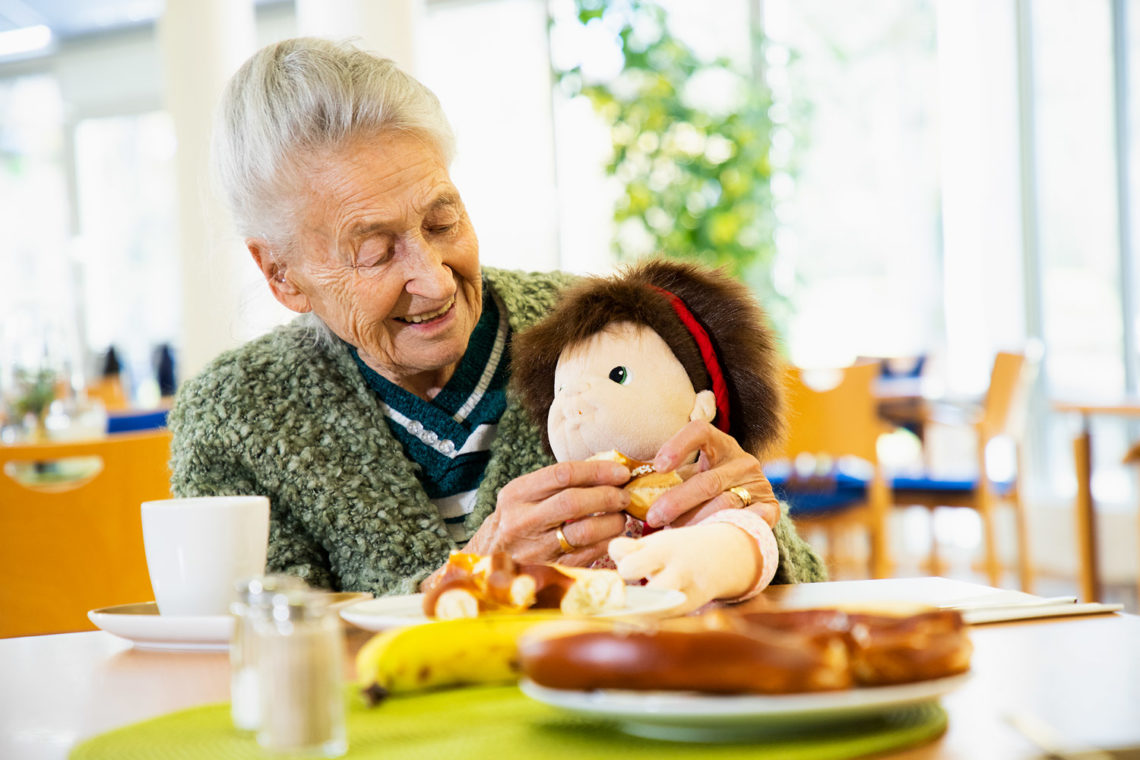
(282, 287)
(704, 407)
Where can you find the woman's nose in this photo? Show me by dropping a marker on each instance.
(424, 271)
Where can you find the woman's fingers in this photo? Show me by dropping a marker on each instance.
(565, 491)
(589, 531)
(554, 479)
(694, 516)
(764, 501)
(590, 538)
(721, 465)
(696, 437)
(701, 489)
(580, 498)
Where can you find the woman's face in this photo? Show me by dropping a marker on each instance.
(389, 259)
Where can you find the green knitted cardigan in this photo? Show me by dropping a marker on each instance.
(291, 417)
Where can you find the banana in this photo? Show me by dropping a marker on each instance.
(436, 655)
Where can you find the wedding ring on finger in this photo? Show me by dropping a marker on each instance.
(742, 492)
(565, 545)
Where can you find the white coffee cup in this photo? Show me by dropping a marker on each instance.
(198, 548)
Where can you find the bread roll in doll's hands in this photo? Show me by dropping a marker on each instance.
(680, 559)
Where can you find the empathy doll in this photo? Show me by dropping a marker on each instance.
(624, 363)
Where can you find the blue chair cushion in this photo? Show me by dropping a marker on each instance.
(821, 496)
(815, 497)
(135, 421)
(929, 483)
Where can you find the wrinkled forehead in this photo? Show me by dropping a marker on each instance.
(372, 183)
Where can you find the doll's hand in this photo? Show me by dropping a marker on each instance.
(583, 500)
(679, 559)
(721, 464)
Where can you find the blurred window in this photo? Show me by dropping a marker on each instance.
(903, 216)
(1076, 195)
(489, 64)
(860, 215)
(1079, 247)
(38, 318)
(124, 169)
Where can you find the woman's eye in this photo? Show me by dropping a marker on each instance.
(620, 375)
(372, 254)
(439, 228)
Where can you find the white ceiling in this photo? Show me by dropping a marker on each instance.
(70, 18)
(73, 18)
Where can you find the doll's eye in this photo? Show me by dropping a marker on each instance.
(620, 375)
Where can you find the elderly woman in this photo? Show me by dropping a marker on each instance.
(379, 422)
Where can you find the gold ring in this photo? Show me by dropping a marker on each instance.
(743, 493)
(567, 547)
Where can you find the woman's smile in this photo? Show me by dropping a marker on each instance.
(417, 319)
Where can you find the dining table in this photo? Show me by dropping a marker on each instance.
(1087, 409)
(1073, 680)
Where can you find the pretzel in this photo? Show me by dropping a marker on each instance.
(471, 584)
(764, 653)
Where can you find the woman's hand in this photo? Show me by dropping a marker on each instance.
(721, 465)
(582, 499)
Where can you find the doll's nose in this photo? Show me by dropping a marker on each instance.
(572, 398)
(575, 388)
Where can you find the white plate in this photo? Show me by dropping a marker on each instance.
(399, 611)
(142, 624)
(687, 716)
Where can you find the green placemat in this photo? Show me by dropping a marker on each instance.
(498, 723)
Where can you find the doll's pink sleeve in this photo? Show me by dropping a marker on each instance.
(754, 525)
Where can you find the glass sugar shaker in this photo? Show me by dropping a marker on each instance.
(253, 598)
(299, 651)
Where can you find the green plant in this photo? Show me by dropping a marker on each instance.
(35, 392)
(696, 179)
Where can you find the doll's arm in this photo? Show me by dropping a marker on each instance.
(728, 557)
(754, 524)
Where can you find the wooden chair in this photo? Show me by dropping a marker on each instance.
(1133, 457)
(1002, 413)
(830, 424)
(69, 547)
(111, 391)
(899, 390)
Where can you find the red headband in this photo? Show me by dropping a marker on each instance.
(708, 354)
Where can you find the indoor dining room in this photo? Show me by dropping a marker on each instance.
(301, 452)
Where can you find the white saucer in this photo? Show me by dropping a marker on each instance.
(400, 611)
(142, 624)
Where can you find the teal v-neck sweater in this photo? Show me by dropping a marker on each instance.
(293, 419)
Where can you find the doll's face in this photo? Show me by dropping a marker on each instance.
(621, 389)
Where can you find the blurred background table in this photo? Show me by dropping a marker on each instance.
(1082, 461)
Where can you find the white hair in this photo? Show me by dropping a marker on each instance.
(319, 334)
(299, 96)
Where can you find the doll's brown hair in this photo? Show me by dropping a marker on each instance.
(736, 327)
